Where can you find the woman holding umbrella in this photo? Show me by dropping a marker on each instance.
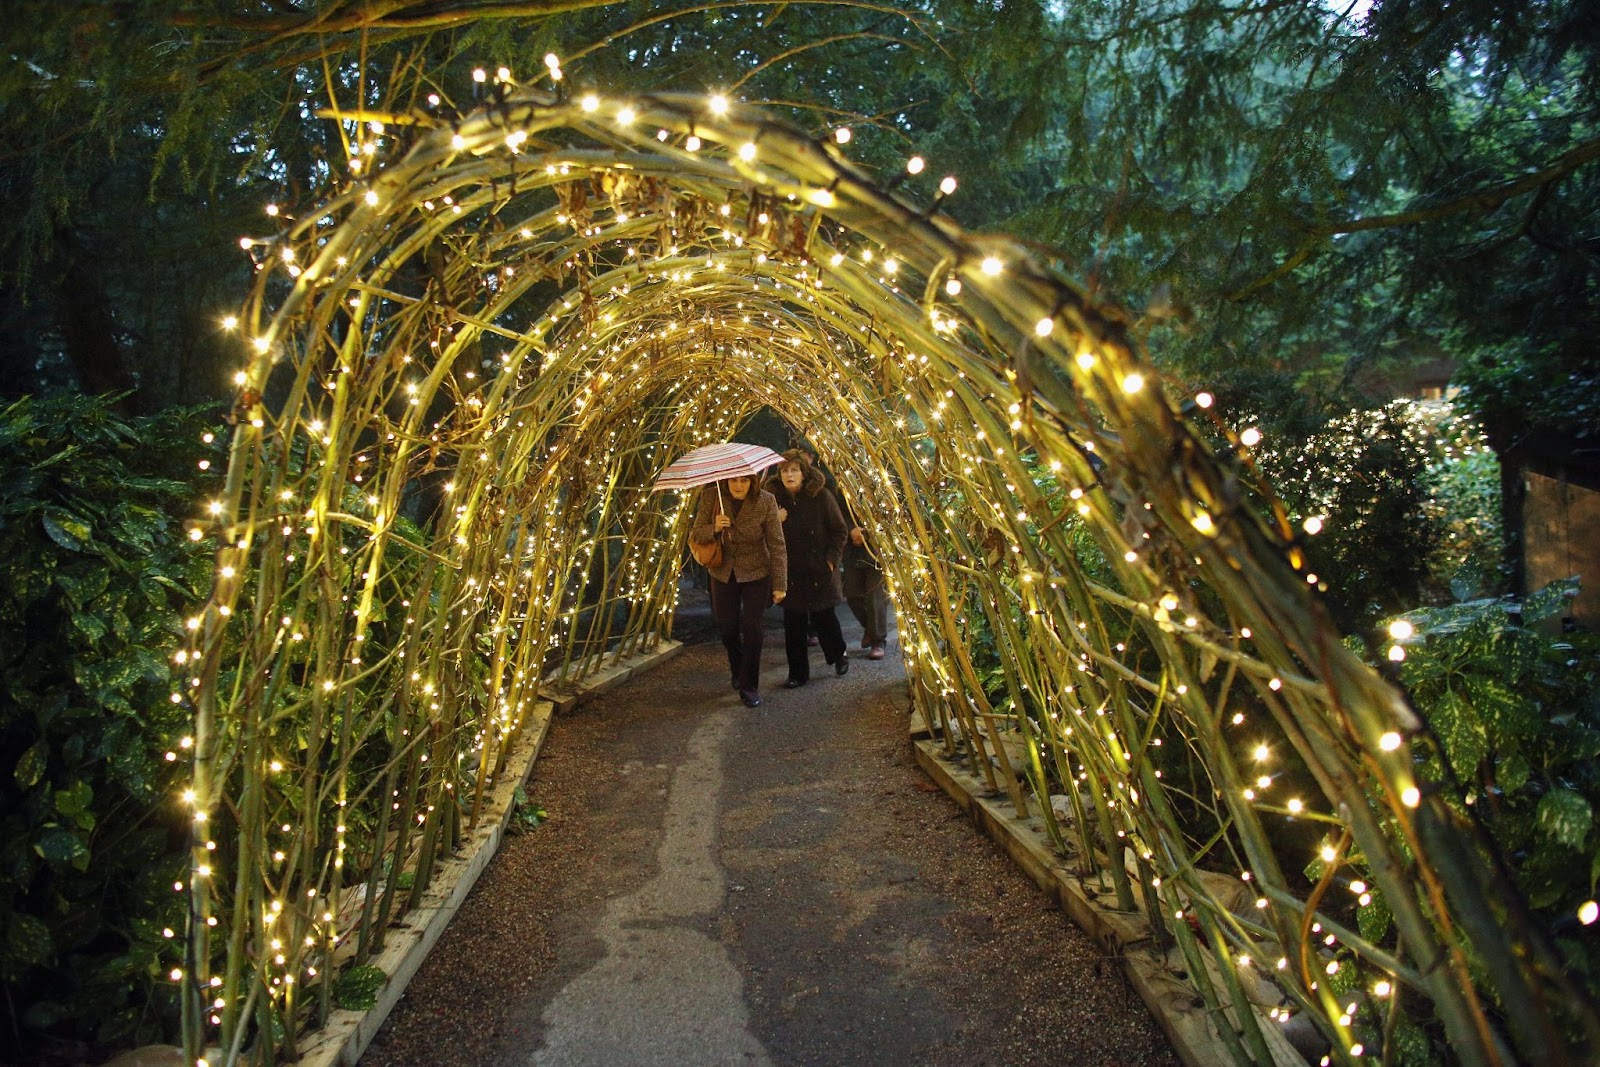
(754, 572)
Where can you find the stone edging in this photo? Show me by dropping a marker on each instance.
(348, 1033)
(1174, 1002)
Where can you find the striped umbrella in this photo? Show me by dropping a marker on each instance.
(713, 463)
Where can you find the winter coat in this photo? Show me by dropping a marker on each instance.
(753, 546)
(815, 534)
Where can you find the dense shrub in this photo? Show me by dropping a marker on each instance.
(1513, 710)
(94, 570)
(1464, 503)
(1364, 475)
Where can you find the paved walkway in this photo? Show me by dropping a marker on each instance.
(720, 885)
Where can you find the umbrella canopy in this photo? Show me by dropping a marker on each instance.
(713, 463)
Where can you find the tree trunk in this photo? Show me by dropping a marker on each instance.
(88, 332)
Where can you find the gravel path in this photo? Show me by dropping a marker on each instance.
(780, 885)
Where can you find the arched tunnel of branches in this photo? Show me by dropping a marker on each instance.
(460, 377)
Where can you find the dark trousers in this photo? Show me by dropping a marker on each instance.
(825, 624)
(737, 607)
(869, 603)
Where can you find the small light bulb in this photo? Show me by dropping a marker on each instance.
(915, 164)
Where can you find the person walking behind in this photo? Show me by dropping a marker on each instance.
(814, 531)
(753, 573)
(864, 589)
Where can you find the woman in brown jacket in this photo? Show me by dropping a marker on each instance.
(754, 572)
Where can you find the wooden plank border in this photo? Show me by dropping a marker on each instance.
(347, 1034)
(1174, 1002)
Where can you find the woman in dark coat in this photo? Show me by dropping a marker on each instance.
(751, 575)
(814, 533)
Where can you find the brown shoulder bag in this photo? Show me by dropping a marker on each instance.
(707, 555)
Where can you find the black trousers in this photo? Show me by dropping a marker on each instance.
(825, 624)
(737, 607)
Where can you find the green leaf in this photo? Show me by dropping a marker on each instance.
(1513, 772)
(1508, 716)
(91, 627)
(66, 531)
(358, 987)
(1374, 918)
(44, 1014)
(1550, 602)
(31, 767)
(26, 944)
(1566, 816)
(1410, 1046)
(1346, 978)
(74, 801)
(63, 846)
(1465, 741)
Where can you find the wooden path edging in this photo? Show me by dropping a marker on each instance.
(347, 1034)
(1175, 1003)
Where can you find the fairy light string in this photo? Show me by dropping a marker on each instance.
(459, 376)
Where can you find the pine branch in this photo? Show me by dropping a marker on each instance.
(1481, 200)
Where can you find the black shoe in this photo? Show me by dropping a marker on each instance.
(794, 683)
(842, 665)
(750, 699)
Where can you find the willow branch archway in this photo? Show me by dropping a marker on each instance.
(464, 371)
